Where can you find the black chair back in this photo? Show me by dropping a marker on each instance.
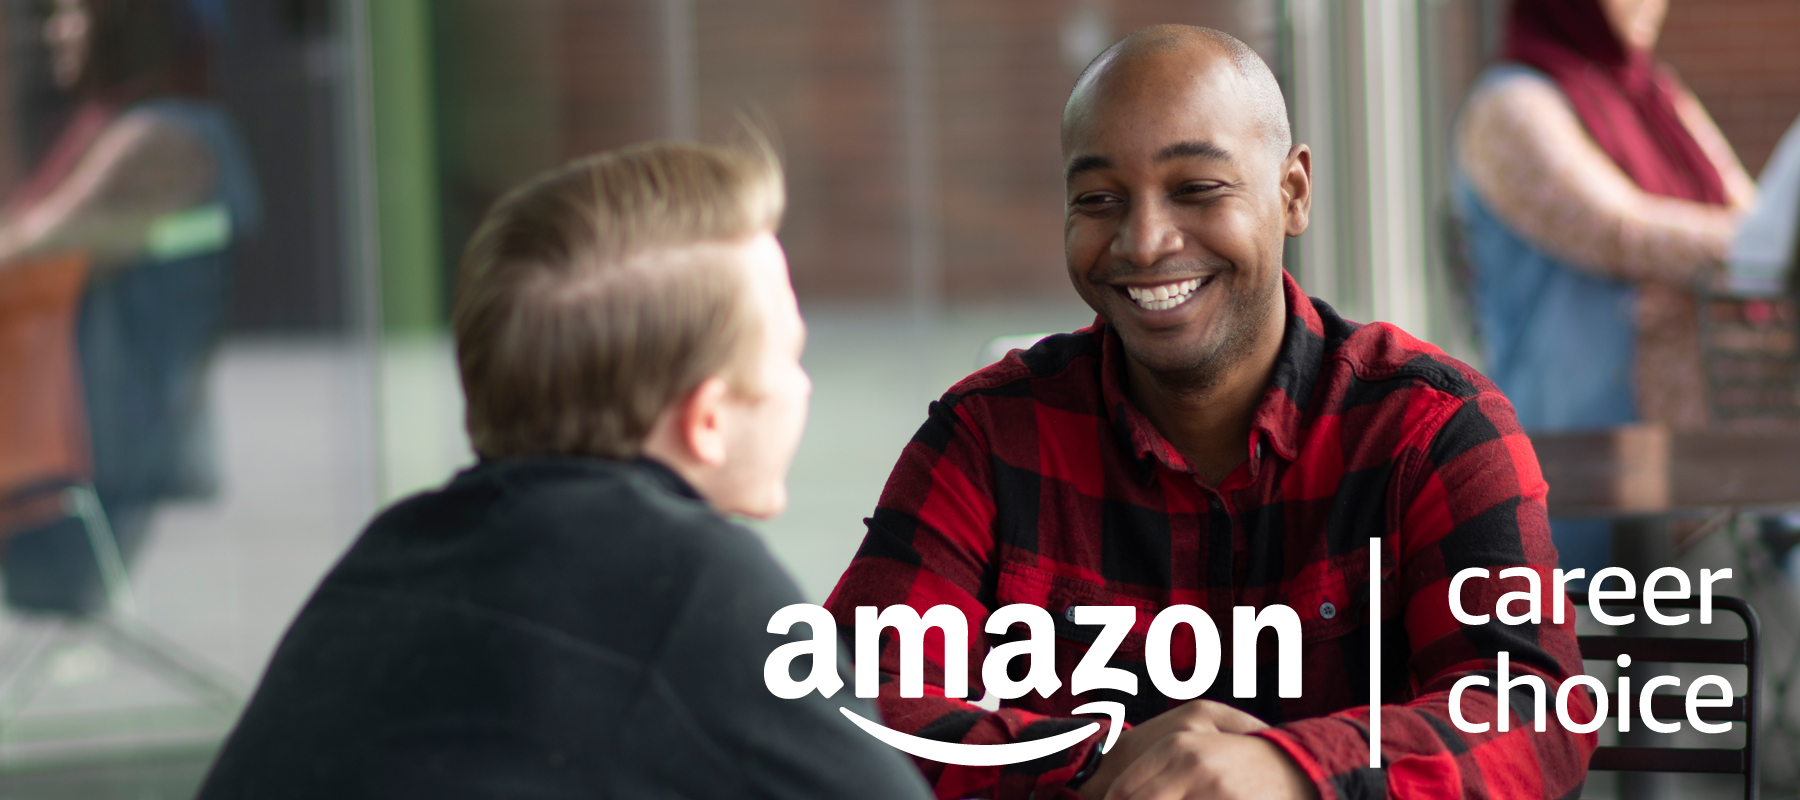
(1670, 649)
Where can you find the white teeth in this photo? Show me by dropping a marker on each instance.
(1164, 297)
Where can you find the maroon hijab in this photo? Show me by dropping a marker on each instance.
(1625, 98)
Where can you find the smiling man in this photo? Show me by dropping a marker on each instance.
(1218, 439)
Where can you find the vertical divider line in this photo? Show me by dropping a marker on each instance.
(1374, 652)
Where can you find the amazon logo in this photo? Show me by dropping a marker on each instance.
(1038, 648)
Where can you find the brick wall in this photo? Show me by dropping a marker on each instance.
(1742, 58)
(821, 72)
(826, 74)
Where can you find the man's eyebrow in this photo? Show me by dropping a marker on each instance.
(1085, 163)
(1190, 149)
(1193, 149)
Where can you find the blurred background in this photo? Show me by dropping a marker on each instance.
(350, 146)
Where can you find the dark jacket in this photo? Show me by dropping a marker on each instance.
(548, 628)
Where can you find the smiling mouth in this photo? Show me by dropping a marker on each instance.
(1163, 297)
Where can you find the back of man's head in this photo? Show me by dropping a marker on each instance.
(577, 318)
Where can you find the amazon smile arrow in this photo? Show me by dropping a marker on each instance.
(993, 755)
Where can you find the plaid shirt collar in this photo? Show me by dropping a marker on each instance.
(1279, 419)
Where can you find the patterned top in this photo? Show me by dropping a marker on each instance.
(1037, 480)
(1535, 167)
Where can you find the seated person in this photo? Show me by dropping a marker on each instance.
(150, 178)
(1218, 439)
(573, 616)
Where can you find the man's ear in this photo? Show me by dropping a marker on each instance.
(1296, 190)
(700, 423)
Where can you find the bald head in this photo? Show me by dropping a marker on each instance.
(1194, 51)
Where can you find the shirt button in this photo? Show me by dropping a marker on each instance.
(1069, 613)
(1327, 610)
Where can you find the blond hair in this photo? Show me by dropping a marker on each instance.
(577, 323)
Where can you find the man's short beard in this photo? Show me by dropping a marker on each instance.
(1245, 315)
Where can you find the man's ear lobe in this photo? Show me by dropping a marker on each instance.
(700, 422)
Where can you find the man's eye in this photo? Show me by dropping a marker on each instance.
(1190, 189)
(1093, 201)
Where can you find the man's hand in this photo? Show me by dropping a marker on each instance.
(1193, 765)
(1198, 716)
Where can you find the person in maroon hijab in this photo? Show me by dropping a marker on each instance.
(1595, 196)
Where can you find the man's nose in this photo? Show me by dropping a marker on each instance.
(1148, 235)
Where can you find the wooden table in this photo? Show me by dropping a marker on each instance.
(1643, 477)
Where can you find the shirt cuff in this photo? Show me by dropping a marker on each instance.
(1315, 771)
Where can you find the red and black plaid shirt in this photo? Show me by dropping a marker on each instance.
(1037, 480)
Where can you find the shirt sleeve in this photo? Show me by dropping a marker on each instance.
(709, 672)
(931, 543)
(1527, 155)
(1469, 495)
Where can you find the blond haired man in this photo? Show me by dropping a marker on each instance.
(573, 617)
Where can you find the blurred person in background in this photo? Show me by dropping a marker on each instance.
(149, 178)
(1595, 196)
(574, 616)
